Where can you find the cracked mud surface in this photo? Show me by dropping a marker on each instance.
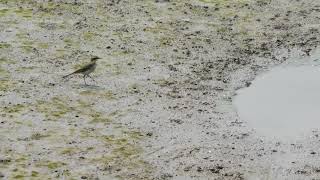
(161, 106)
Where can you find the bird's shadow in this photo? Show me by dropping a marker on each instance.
(90, 86)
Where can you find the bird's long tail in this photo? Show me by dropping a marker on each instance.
(67, 75)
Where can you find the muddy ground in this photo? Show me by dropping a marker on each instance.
(161, 106)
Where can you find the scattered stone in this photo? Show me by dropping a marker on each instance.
(178, 121)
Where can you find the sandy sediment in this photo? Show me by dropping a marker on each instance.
(161, 106)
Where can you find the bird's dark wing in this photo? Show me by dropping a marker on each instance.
(83, 69)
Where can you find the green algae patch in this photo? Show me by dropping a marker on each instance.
(89, 36)
(5, 61)
(3, 12)
(5, 85)
(22, 36)
(68, 41)
(5, 162)
(108, 95)
(123, 155)
(68, 151)
(60, 53)
(22, 12)
(38, 136)
(27, 46)
(55, 165)
(18, 174)
(223, 2)
(21, 159)
(166, 41)
(99, 118)
(156, 29)
(14, 109)
(135, 135)
(34, 174)
(26, 49)
(47, 9)
(54, 109)
(163, 82)
(51, 164)
(25, 69)
(122, 53)
(3, 71)
(4, 45)
(43, 45)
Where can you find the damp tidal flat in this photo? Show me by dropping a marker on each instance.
(161, 104)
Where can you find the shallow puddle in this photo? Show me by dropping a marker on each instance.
(282, 103)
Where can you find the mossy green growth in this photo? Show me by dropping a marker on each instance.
(126, 151)
(135, 135)
(60, 53)
(54, 109)
(18, 174)
(4, 45)
(14, 109)
(89, 36)
(123, 153)
(24, 12)
(109, 95)
(3, 71)
(71, 42)
(116, 68)
(27, 46)
(99, 118)
(22, 36)
(43, 45)
(27, 49)
(5, 85)
(166, 41)
(23, 158)
(47, 9)
(5, 61)
(68, 151)
(223, 1)
(25, 69)
(222, 30)
(156, 29)
(3, 12)
(38, 136)
(34, 174)
(51, 164)
(5, 162)
(121, 149)
(163, 82)
(68, 41)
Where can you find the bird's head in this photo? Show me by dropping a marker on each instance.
(95, 58)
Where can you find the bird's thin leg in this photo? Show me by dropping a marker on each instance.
(84, 78)
(91, 78)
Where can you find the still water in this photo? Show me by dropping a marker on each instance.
(282, 103)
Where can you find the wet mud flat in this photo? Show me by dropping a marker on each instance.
(162, 104)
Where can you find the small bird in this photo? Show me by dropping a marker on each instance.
(86, 70)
